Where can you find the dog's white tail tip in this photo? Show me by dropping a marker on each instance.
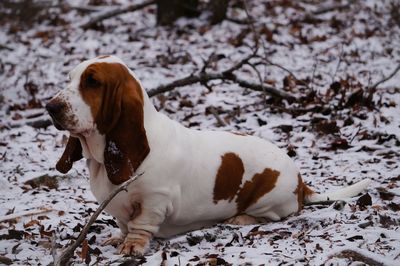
(340, 194)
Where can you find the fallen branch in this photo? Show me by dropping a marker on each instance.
(37, 122)
(5, 47)
(391, 75)
(214, 112)
(329, 8)
(115, 12)
(67, 254)
(226, 75)
(354, 255)
(14, 216)
(319, 11)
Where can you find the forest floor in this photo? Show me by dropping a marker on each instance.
(342, 129)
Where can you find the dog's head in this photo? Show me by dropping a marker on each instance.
(103, 97)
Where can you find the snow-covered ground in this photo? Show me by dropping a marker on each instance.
(335, 139)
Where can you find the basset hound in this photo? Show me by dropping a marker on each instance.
(191, 179)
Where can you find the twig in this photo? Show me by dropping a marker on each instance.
(338, 64)
(23, 214)
(324, 203)
(36, 122)
(319, 11)
(251, 24)
(357, 256)
(53, 246)
(330, 8)
(355, 135)
(214, 112)
(116, 12)
(286, 70)
(391, 75)
(67, 254)
(226, 75)
(82, 8)
(5, 47)
(264, 46)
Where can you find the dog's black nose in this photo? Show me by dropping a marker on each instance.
(54, 107)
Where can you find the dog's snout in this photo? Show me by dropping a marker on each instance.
(54, 107)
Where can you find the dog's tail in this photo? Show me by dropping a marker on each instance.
(347, 192)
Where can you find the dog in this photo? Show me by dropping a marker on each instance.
(192, 178)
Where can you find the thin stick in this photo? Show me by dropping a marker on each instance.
(67, 254)
(22, 214)
(326, 202)
(330, 8)
(116, 12)
(214, 112)
(391, 75)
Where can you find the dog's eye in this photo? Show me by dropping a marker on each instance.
(91, 81)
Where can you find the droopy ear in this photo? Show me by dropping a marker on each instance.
(72, 153)
(126, 142)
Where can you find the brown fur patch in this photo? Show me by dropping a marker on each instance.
(116, 102)
(229, 177)
(253, 190)
(72, 153)
(302, 191)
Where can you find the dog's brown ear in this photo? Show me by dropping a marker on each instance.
(126, 141)
(72, 153)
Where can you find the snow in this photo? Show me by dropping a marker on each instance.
(44, 53)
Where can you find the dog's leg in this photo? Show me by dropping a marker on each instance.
(142, 228)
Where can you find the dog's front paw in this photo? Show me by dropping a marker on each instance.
(135, 244)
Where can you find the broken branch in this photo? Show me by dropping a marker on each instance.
(67, 254)
(391, 75)
(22, 214)
(115, 12)
(226, 75)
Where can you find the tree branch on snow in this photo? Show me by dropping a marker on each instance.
(5, 47)
(214, 112)
(226, 75)
(115, 12)
(36, 122)
(329, 8)
(258, 40)
(354, 255)
(322, 10)
(23, 214)
(391, 75)
(82, 8)
(67, 254)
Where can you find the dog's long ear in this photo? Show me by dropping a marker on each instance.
(72, 153)
(126, 140)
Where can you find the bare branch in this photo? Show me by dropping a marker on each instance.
(322, 10)
(214, 112)
(116, 12)
(391, 75)
(67, 254)
(22, 214)
(5, 47)
(354, 255)
(326, 9)
(226, 75)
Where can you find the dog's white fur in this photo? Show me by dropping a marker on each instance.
(176, 190)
